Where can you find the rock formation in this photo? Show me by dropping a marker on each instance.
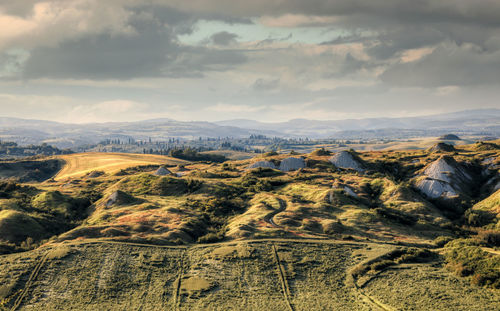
(292, 164)
(162, 172)
(345, 160)
(443, 178)
(267, 164)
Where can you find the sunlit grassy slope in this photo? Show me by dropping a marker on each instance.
(80, 164)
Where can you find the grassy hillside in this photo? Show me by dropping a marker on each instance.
(107, 233)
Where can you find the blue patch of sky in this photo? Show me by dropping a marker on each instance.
(255, 31)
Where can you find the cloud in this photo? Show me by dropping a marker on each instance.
(448, 65)
(297, 20)
(247, 56)
(107, 111)
(223, 38)
(151, 51)
(263, 85)
(228, 108)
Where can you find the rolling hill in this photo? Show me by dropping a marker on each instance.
(319, 231)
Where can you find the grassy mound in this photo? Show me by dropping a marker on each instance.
(53, 201)
(154, 185)
(467, 259)
(485, 146)
(16, 227)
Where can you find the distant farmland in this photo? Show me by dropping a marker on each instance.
(80, 164)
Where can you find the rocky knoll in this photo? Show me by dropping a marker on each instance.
(292, 164)
(266, 164)
(442, 147)
(443, 178)
(162, 172)
(345, 160)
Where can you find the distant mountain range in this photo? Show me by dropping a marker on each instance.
(481, 120)
(63, 135)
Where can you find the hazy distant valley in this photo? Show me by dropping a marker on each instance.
(479, 123)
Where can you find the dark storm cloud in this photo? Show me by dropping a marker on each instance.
(447, 65)
(223, 38)
(483, 12)
(152, 51)
(386, 28)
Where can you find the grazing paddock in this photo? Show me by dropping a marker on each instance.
(275, 274)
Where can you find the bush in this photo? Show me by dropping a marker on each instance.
(465, 257)
(490, 237)
(441, 241)
(211, 237)
(191, 154)
(380, 265)
(477, 218)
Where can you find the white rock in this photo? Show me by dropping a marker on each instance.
(162, 172)
(436, 188)
(442, 170)
(345, 160)
(265, 164)
(292, 164)
(350, 192)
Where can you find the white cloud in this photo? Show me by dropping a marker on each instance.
(108, 111)
(52, 22)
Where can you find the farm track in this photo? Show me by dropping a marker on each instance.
(377, 305)
(30, 281)
(269, 218)
(282, 277)
(177, 293)
(235, 242)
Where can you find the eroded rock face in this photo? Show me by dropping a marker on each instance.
(345, 160)
(436, 188)
(292, 164)
(267, 164)
(446, 170)
(162, 172)
(444, 178)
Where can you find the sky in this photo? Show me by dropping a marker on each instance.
(82, 61)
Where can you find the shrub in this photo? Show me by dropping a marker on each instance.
(191, 154)
(465, 257)
(211, 237)
(441, 241)
(490, 237)
(380, 265)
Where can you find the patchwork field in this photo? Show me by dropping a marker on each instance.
(80, 164)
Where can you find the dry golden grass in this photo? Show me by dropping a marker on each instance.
(80, 164)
